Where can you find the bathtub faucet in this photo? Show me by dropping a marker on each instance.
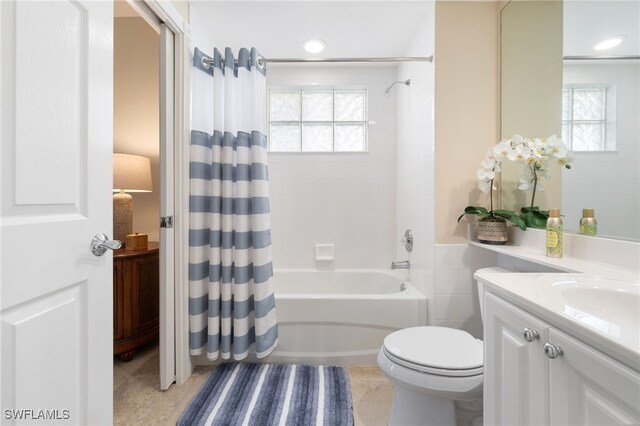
(401, 265)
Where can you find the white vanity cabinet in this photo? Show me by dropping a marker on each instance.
(590, 388)
(516, 373)
(569, 383)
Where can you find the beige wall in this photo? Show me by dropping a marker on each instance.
(136, 110)
(467, 108)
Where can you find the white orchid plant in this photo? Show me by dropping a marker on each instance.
(486, 174)
(533, 155)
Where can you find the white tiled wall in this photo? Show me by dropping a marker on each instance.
(415, 164)
(346, 199)
(608, 181)
(456, 303)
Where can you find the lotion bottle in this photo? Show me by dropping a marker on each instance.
(588, 224)
(554, 234)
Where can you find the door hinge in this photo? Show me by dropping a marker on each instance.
(166, 222)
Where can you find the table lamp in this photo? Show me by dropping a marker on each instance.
(131, 173)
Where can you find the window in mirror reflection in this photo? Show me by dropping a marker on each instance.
(588, 117)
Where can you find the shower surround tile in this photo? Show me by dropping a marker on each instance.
(415, 159)
(455, 302)
(345, 199)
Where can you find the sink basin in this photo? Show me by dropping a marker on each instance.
(610, 306)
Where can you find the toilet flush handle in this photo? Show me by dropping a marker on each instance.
(530, 335)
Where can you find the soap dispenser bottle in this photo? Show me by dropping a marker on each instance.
(554, 234)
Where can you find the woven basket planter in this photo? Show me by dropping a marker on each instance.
(492, 232)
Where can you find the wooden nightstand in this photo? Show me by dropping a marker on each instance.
(136, 304)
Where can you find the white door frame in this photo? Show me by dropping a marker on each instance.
(167, 234)
(169, 15)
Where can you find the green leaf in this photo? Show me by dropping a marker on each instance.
(517, 220)
(540, 220)
(541, 214)
(480, 211)
(512, 217)
(475, 210)
(526, 209)
(534, 219)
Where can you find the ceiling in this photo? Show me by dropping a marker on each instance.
(588, 22)
(279, 28)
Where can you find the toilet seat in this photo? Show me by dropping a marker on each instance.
(436, 350)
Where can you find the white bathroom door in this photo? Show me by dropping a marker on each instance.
(56, 297)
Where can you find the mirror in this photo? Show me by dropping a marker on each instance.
(555, 82)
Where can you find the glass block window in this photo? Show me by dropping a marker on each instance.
(588, 117)
(317, 120)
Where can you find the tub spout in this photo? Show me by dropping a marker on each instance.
(401, 265)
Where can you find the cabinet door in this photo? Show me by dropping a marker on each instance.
(516, 375)
(589, 388)
(146, 302)
(118, 300)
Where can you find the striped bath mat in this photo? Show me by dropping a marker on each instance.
(272, 394)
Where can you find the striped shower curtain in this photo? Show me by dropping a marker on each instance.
(231, 303)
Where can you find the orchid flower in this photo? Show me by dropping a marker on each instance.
(502, 149)
(487, 172)
(485, 186)
(564, 161)
(517, 139)
(555, 147)
(520, 153)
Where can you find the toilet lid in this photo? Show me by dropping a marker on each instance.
(447, 350)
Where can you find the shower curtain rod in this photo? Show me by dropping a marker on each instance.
(597, 58)
(337, 60)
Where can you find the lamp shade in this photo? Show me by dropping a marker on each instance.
(131, 173)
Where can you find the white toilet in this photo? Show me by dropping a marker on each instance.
(431, 368)
(434, 370)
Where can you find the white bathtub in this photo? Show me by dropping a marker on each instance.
(341, 317)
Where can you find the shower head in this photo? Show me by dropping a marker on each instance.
(406, 82)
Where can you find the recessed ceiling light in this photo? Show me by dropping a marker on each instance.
(608, 43)
(314, 45)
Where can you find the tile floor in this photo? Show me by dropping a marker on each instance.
(138, 400)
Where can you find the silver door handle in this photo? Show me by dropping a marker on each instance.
(552, 351)
(530, 335)
(100, 243)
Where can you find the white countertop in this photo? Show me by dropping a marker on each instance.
(588, 255)
(620, 341)
(567, 263)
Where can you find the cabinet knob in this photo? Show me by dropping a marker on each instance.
(552, 351)
(530, 335)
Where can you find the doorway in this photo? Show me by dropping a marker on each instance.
(144, 123)
(136, 140)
